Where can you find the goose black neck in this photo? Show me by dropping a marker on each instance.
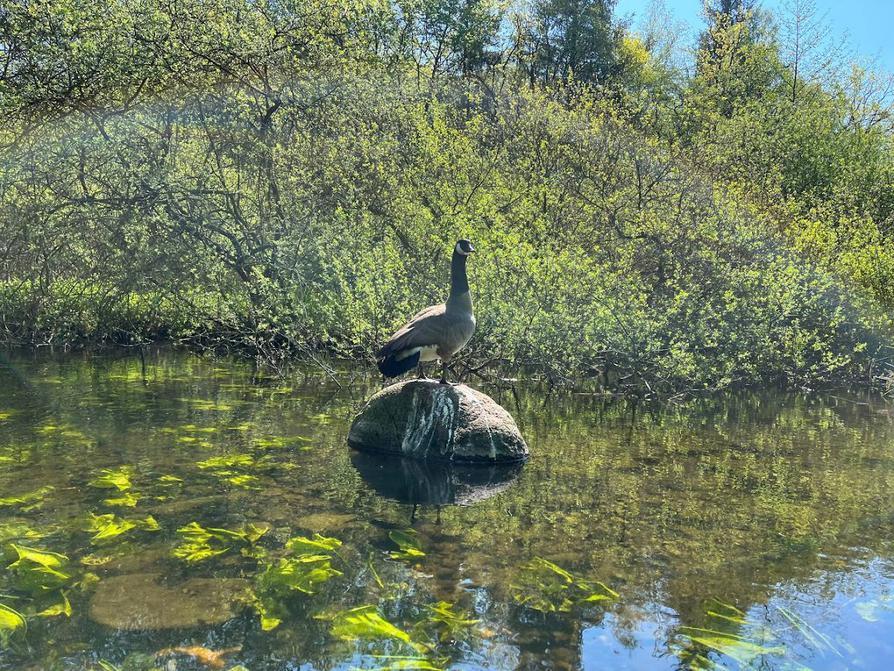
(459, 282)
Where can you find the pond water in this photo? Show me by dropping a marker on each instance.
(188, 514)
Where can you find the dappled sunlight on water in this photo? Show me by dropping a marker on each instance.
(195, 515)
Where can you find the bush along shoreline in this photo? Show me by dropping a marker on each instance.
(642, 227)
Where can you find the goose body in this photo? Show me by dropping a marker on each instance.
(438, 331)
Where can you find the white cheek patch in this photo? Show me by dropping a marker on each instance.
(459, 250)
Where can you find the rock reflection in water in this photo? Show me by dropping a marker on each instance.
(433, 483)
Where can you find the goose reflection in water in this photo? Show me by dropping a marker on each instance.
(433, 483)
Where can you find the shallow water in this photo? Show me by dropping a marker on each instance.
(741, 531)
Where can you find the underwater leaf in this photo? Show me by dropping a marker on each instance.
(740, 650)
(113, 479)
(607, 592)
(196, 552)
(303, 545)
(302, 573)
(445, 621)
(202, 543)
(735, 619)
(367, 623)
(128, 500)
(39, 570)
(243, 480)
(547, 587)
(817, 639)
(108, 666)
(403, 663)
(34, 498)
(170, 479)
(148, 523)
(107, 526)
(14, 530)
(63, 608)
(43, 558)
(408, 544)
(548, 565)
(205, 404)
(228, 461)
(733, 646)
(10, 621)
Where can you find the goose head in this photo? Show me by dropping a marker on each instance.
(464, 247)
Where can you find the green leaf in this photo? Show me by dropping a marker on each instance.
(742, 651)
(39, 570)
(302, 574)
(367, 623)
(34, 498)
(302, 544)
(62, 608)
(227, 461)
(129, 500)
(113, 479)
(408, 544)
(107, 526)
(43, 558)
(11, 621)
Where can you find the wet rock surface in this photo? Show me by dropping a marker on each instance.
(143, 601)
(422, 419)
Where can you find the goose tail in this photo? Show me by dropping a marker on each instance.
(393, 365)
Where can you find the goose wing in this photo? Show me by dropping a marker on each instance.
(423, 329)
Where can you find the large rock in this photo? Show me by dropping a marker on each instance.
(143, 601)
(422, 419)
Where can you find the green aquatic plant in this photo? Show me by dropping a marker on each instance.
(367, 623)
(105, 527)
(303, 574)
(118, 478)
(305, 545)
(29, 500)
(38, 571)
(126, 500)
(206, 405)
(227, 461)
(64, 431)
(11, 621)
(169, 480)
(408, 545)
(309, 567)
(280, 441)
(547, 587)
(815, 638)
(444, 623)
(62, 607)
(200, 543)
(728, 612)
(16, 530)
(734, 646)
(223, 467)
(408, 663)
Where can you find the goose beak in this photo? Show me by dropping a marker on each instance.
(471, 249)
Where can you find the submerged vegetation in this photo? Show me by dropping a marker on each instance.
(721, 532)
(286, 179)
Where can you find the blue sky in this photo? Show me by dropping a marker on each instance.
(868, 23)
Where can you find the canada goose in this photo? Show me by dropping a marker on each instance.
(439, 331)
